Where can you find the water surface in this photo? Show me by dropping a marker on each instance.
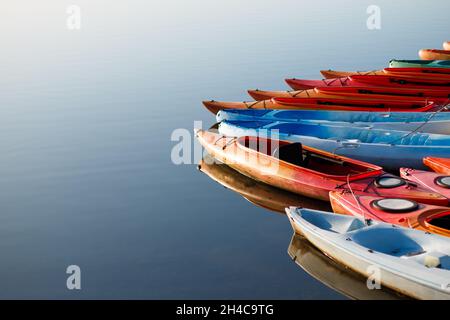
(86, 116)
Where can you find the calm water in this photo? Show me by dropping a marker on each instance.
(86, 116)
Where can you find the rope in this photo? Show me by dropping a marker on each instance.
(354, 197)
(444, 106)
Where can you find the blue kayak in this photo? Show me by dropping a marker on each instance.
(390, 149)
(431, 122)
(419, 64)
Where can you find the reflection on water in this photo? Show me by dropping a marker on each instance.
(311, 260)
(332, 274)
(258, 193)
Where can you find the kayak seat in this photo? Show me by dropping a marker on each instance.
(292, 153)
(390, 241)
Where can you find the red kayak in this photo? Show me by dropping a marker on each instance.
(402, 93)
(439, 165)
(369, 81)
(421, 73)
(307, 171)
(403, 212)
(437, 182)
(355, 104)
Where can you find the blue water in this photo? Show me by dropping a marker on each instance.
(86, 116)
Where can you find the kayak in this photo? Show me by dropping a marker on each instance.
(419, 63)
(446, 45)
(402, 212)
(369, 80)
(434, 54)
(430, 122)
(257, 193)
(333, 274)
(439, 183)
(351, 104)
(389, 149)
(307, 171)
(362, 93)
(340, 102)
(409, 261)
(439, 165)
(432, 73)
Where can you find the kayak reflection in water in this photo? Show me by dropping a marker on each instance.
(258, 193)
(333, 274)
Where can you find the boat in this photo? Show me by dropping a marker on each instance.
(307, 171)
(439, 165)
(333, 274)
(434, 54)
(402, 212)
(363, 93)
(369, 81)
(446, 45)
(341, 102)
(437, 182)
(419, 63)
(412, 262)
(352, 104)
(257, 193)
(431, 122)
(422, 73)
(390, 149)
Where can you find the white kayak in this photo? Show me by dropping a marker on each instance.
(412, 262)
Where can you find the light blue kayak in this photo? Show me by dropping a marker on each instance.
(431, 122)
(419, 64)
(390, 149)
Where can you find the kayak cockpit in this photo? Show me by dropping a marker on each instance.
(334, 223)
(388, 240)
(327, 164)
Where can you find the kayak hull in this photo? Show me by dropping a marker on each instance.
(439, 165)
(260, 194)
(304, 180)
(339, 103)
(433, 54)
(362, 207)
(427, 179)
(438, 123)
(446, 45)
(362, 93)
(419, 64)
(423, 72)
(369, 81)
(400, 273)
(387, 155)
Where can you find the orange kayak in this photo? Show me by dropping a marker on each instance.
(392, 210)
(437, 182)
(446, 45)
(369, 93)
(258, 193)
(307, 171)
(439, 165)
(432, 73)
(434, 54)
(325, 102)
